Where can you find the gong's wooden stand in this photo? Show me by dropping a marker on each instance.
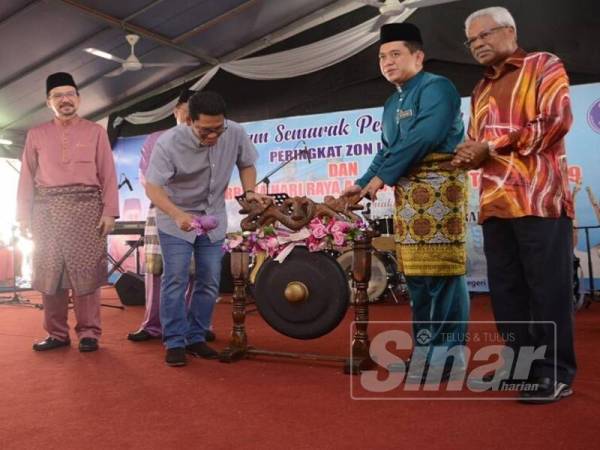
(359, 358)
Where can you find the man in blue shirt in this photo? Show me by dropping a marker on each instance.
(421, 126)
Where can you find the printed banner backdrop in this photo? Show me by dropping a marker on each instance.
(321, 154)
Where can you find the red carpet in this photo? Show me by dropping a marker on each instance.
(124, 397)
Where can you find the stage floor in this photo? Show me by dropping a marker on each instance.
(124, 396)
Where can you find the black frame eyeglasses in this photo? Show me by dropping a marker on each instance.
(205, 132)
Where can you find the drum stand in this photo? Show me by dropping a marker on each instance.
(399, 298)
(390, 288)
(359, 358)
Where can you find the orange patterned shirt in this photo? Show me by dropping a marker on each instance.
(523, 110)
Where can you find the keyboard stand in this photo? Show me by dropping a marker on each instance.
(116, 265)
(133, 246)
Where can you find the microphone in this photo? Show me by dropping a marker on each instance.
(304, 150)
(125, 181)
(367, 213)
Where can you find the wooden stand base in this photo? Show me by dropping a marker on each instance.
(354, 366)
(229, 354)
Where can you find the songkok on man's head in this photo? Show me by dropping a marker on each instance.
(400, 32)
(184, 96)
(59, 79)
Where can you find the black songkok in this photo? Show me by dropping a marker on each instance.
(59, 79)
(400, 32)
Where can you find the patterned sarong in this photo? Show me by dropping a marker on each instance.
(152, 252)
(429, 218)
(69, 251)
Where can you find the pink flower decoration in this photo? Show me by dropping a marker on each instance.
(268, 244)
(272, 246)
(339, 238)
(340, 227)
(317, 229)
(203, 224)
(315, 245)
(323, 233)
(235, 242)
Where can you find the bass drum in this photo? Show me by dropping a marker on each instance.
(304, 297)
(384, 272)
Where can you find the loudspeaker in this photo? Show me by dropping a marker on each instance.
(131, 289)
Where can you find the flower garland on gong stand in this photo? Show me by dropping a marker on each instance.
(322, 233)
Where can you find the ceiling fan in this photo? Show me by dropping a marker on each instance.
(390, 8)
(132, 63)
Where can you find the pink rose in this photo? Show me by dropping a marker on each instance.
(268, 244)
(341, 227)
(339, 239)
(317, 229)
(330, 223)
(315, 245)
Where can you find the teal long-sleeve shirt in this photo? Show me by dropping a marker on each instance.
(421, 118)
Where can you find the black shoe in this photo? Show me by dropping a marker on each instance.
(545, 391)
(176, 357)
(201, 350)
(50, 343)
(210, 336)
(140, 336)
(88, 344)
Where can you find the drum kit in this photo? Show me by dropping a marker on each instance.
(386, 279)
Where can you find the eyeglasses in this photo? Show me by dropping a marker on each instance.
(59, 95)
(205, 132)
(483, 35)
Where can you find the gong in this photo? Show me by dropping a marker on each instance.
(304, 297)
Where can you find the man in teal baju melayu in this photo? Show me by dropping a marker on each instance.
(421, 126)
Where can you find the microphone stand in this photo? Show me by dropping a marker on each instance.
(124, 181)
(16, 299)
(266, 179)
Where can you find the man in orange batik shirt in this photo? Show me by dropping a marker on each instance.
(520, 113)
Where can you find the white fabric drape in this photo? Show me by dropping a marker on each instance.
(312, 57)
(154, 115)
(287, 64)
(164, 111)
